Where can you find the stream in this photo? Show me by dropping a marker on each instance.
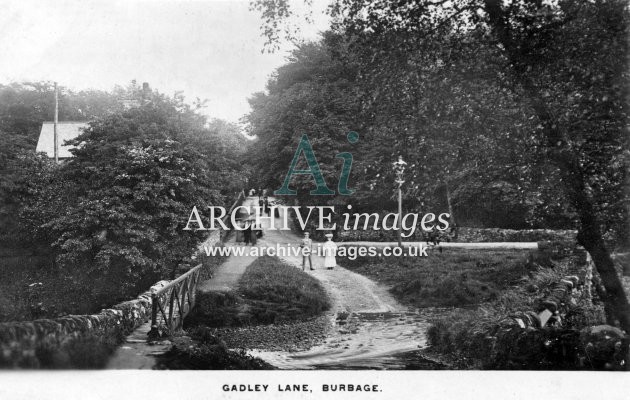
(363, 340)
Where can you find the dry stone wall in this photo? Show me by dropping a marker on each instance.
(466, 235)
(474, 235)
(29, 344)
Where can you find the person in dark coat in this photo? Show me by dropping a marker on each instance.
(266, 206)
(247, 233)
(239, 233)
(254, 233)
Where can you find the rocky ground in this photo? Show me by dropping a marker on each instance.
(290, 337)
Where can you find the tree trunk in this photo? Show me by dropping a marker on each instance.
(589, 233)
(601, 292)
(590, 237)
(450, 210)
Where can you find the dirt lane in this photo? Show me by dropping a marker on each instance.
(369, 328)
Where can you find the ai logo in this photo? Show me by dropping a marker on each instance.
(314, 170)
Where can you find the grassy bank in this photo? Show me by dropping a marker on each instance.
(483, 287)
(454, 278)
(467, 337)
(275, 307)
(269, 292)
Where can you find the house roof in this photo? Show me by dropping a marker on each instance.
(66, 130)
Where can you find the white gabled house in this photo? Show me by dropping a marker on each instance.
(66, 130)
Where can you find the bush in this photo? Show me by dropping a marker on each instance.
(207, 352)
(275, 285)
(270, 291)
(476, 338)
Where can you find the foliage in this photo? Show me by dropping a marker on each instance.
(271, 12)
(269, 292)
(452, 124)
(309, 95)
(454, 278)
(23, 108)
(32, 287)
(465, 335)
(554, 73)
(116, 210)
(295, 293)
(207, 352)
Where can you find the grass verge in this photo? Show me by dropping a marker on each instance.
(454, 278)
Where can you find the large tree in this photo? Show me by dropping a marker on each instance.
(565, 65)
(23, 108)
(117, 209)
(313, 94)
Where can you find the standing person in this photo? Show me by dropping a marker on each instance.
(307, 247)
(330, 251)
(247, 233)
(266, 206)
(254, 233)
(240, 237)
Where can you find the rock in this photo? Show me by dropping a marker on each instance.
(605, 346)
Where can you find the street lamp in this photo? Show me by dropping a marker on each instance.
(399, 169)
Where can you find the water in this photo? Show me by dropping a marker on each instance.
(368, 340)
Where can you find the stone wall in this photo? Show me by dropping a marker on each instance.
(548, 338)
(477, 235)
(562, 329)
(466, 235)
(29, 344)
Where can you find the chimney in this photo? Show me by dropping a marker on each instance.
(145, 90)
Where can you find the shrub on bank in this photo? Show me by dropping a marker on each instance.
(275, 286)
(33, 287)
(478, 338)
(270, 291)
(204, 351)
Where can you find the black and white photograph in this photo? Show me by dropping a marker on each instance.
(362, 199)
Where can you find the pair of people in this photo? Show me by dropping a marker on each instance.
(330, 251)
(248, 235)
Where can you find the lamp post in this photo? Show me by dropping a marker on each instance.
(399, 169)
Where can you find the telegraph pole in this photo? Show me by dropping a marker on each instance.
(56, 121)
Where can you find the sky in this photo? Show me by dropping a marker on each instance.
(206, 48)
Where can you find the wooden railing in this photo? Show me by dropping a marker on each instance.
(171, 303)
